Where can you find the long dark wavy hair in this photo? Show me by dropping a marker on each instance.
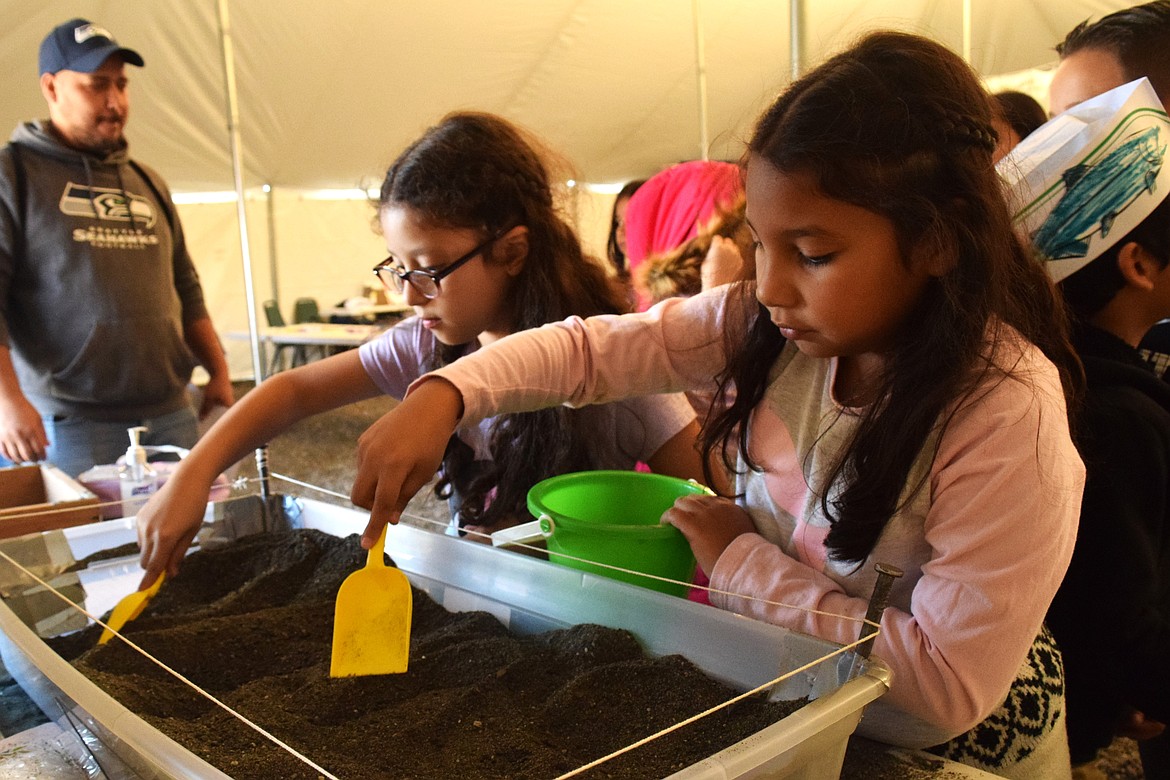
(900, 126)
(479, 171)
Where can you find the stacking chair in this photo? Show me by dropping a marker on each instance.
(276, 320)
(306, 310)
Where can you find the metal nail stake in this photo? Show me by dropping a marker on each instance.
(267, 509)
(262, 471)
(877, 604)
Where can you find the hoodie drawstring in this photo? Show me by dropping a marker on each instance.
(126, 198)
(89, 186)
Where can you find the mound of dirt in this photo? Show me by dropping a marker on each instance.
(252, 625)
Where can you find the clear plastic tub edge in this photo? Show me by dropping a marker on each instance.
(527, 595)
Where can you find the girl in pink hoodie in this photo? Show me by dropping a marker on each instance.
(902, 373)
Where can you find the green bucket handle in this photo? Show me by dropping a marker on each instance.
(525, 533)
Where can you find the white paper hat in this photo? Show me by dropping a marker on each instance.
(1087, 177)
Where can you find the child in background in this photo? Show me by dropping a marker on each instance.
(479, 250)
(668, 210)
(1111, 616)
(901, 378)
(1096, 56)
(1017, 117)
(713, 257)
(616, 245)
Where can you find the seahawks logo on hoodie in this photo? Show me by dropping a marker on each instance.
(106, 204)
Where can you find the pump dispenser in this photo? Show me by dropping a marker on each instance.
(137, 478)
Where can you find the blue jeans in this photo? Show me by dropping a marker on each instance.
(77, 444)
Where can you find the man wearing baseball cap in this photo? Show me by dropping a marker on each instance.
(102, 316)
(82, 46)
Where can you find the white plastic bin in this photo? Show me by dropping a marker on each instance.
(526, 594)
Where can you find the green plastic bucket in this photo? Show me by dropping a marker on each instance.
(612, 517)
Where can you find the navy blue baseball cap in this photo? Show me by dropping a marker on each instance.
(82, 46)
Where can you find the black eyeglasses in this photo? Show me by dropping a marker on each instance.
(392, 274)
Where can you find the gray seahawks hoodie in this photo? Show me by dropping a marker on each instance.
(95, 289)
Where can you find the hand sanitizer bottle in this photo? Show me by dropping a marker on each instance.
(137, 478)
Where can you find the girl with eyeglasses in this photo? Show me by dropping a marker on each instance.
(479, 249)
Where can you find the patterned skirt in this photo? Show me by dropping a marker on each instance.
(1025, 737)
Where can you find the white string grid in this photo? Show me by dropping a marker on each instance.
(242, 482)
(174, 673)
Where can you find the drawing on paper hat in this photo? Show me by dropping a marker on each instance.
(1087, 177)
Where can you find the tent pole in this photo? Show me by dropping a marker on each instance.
(967, 31)
(796, 37)
(701, 75)
(270, 192)
(233, 117)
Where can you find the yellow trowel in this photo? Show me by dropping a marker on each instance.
(371, 620)
(129, 608)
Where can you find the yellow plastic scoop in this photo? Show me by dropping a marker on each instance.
(129, 608)
(371, 621)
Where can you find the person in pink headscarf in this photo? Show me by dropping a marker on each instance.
(668, 210)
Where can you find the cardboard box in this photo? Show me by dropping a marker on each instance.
(41, 498)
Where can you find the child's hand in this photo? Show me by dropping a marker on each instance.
(722, 265)
(401, 452)
(1136, 725)
(168, 522)
(710, 524)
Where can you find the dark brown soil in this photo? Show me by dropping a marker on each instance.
(122, 551)
(252, 624)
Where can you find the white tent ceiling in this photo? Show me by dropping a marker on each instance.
(331, 90)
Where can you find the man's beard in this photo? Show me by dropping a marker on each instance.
(101, 143)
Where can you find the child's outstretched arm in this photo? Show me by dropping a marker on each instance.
(672, 347)
(675, 346)
(171, 518)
